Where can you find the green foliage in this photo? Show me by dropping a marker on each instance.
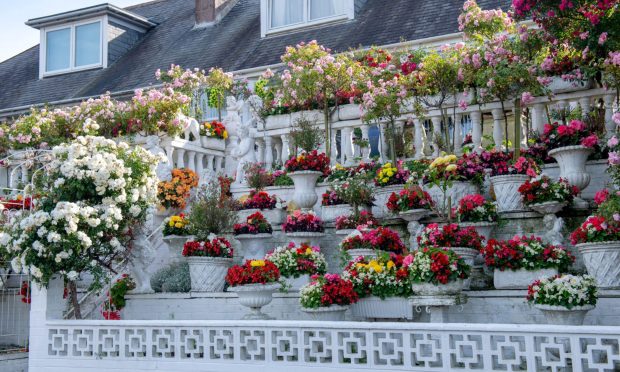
(210, 213)
(306, 135)
(173, 278)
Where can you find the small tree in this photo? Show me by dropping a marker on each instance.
(211, 213)
(218, 83)
(306, 135)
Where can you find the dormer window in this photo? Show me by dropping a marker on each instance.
(73, 47)
(285, 15)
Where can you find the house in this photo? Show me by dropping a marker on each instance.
(90, 51)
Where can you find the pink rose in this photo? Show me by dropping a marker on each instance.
(590, 141)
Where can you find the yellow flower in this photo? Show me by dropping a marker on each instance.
(390, 265)
(377, 268)
(257, 263)
(171, 223)
(385, 180)
(178, 225)
(451, 167)
(451, 158)
(308, 250)
(225, 134)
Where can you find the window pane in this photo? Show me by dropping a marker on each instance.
(326, 8)
(286, 12)
(58, 50)
(87, 44)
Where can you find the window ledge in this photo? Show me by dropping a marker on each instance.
(309, 25)
(65, 72)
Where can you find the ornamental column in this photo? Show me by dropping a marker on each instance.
(268, 153)
(498, 129)
(458, 134)
(418, 139)
(286, 150)
(538, 121)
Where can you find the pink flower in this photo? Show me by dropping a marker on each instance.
(613, 141)
(590, 141)
(602, 39)
(527, 98)
(463, 104)
(614, 158)
(616, 217)
(616, 118)
(408, 261)
(601, 196)
(584, 35)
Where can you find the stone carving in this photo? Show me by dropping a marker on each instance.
(232, 121)
(553, 228)
(244, 152)
(143, 256)
(164, 168)
(190, 127)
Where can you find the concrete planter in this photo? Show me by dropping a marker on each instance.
(458, 190)
(328, 313)
(175, 246)
(254, 246)
(295, 284)
(305, 195)
(349, 112)
(368, 253)
(572, 162)
(484, 229)
(430, 289)
(314, 116)
(602, 260)
(382, 194)
(273, 216)
(507, 194)
(559, 85)
(213, 143)
(374, 307)
(519, 279)
(255, 296)
(561, 315)
(207, 273)
(277, 121)
(551, 207)
(330, 212)
(311, 238)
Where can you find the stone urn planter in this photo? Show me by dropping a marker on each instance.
(468, 254)
(273, 216)
(572, 163)
(602, 260)
(368, 253)
(278, 121)
(373, 307)
(330, 212)
(519, 279)
(207, 274)
(253, 246)
(255, 296)
(175, 246)
(456, 192)
(507, 194)
(349, 112)
(311, 238)
(213, 143)
(305, 195)
(484, 229)
(430, 289)
(344, 232)
(382, 194)
(561, 315)
(327, 313)
(414, 227)
(295, 284)
(559, 85)
(550, 207)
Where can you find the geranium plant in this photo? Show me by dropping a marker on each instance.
(257, 177)
(574, 133)
(261, 200)
(213, 246)
(566, 290)
(175, 225)
(544, 189)
(253, 272)
(389, 174)
(409, 198)
(213, 129)
(354, 192)
(116, 301)
(327, 290)
(474, 208)
(596, 229)
(502, 163)
(254, 224)
(330, 197)
(352, 221)
(436, 266)
(449, 236)
(295, 261)
(302, 222)
(380, 238)
(383, 277)
(308, 161)
(174, 193)
(529, 253)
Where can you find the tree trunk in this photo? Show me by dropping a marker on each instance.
(77, 313)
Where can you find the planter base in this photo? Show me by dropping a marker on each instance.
(519, 279)
(330, 313)
(562, 316)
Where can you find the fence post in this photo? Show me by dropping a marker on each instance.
(41, 309)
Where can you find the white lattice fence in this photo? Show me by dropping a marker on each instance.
(282, 345)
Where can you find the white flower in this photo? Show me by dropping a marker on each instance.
(72, 275)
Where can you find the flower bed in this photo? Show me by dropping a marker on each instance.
(383, 277)
(543, 190)
(566, 290)
(175, 225)
(352, 222)
(525, 253)
(213, 247)
(327, 290)
(294, 261)
(302, 222)
(253, 272)
(412, 197)
(450, 235)
(435, 266)
(474, 208)
(174, 193)
(254, 224)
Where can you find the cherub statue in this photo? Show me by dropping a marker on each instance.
(163, 169)
(553, 228)
(244, 152)
(232, 121)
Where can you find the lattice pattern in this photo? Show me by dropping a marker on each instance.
(525, 348)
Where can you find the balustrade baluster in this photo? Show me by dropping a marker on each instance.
(268, 153)
(476, 130)
(498, 128)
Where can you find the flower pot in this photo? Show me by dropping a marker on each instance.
(273, 216)
(253, 245)
(368, 253)
(213, 143)
(484, 229)
(255, 296)
(327, 313)
(550, 207)
(305, 195)
(559, 85)
(382, 194)
(175, 246)
(311, 238)
(456, 192)
(468, 255)
(572, 163)
(278, 121)
(507, 194)
(561, 315)
(330, 212)
(430, 289)
(414, 228)
(519, 279)
(602, 260)
(295, 284)
(207, 274)
(344, 232)
(374, 307)
(349, 112)
(314, 116)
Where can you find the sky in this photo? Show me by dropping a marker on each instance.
(16, 37)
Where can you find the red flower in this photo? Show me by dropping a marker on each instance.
(253, 274)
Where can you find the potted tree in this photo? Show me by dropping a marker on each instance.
(564, 299)
(253, 234)
(297, 263)
(327, 297)
(519, 261)
(254, 282)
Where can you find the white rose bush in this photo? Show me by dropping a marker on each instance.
(91, 197)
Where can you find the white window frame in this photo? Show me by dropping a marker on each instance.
(265, 16)
(103, 54)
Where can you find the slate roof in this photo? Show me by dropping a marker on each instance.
(235, 43)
